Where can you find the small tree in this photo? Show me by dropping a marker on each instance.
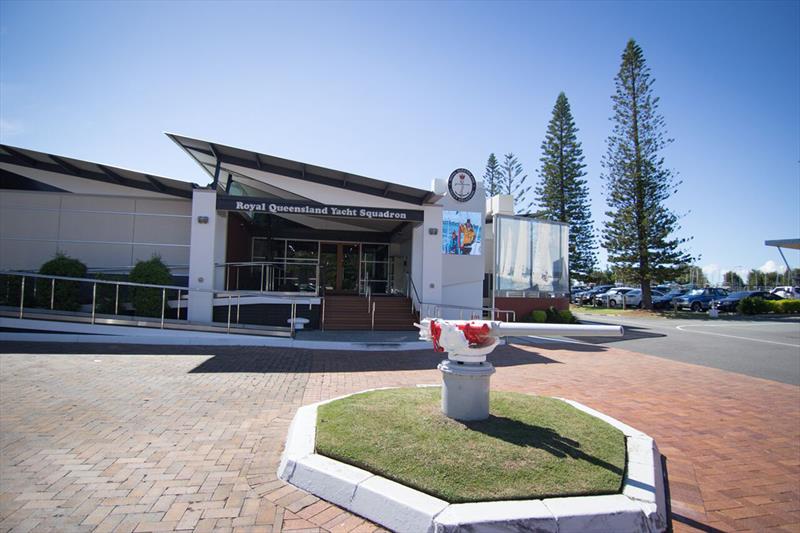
(147, 301)
(562, 193)
(492, 177)
(66, 296)
(733, 280)
(512, 181)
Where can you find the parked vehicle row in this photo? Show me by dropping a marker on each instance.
(663, 297)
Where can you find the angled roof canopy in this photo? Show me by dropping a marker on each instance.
(784, 243)
(94, 171)
(209, 155)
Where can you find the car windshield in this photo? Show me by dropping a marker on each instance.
(696, 292)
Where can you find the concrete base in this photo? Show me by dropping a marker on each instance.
(465, 389)
(640, 508)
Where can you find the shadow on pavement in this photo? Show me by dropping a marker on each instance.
(259, 359)
(277, 360)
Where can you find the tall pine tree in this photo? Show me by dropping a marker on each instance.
(512, 182)
(639, 231)
(492, 177)
(562, 194)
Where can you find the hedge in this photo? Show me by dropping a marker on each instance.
(551, 316)
(759, 306)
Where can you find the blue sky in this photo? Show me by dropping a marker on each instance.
(409, 91)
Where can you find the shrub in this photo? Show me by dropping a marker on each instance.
(785, 306)
(753, 306)
(538, 317)
(147, 302)
(567, 317)
(67, 293)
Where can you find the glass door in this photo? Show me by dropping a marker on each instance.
(338, 265)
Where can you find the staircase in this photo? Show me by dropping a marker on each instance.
(392, 313)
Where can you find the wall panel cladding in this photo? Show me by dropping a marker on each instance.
(101, 231)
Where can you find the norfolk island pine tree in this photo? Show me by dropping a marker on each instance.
(639, 229)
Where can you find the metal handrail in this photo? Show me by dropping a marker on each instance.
(164, 288)
(266, 282)
(438, 306)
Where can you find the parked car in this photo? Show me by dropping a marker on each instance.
(611, 297)
(634, 298)
(700, 299)
(665, 300)
(587, 298)
(786, 291)
(730, 302)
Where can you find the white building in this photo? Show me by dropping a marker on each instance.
(267, 230)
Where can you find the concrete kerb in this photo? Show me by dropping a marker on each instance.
(641, 507)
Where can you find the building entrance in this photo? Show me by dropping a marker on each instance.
(339, 263)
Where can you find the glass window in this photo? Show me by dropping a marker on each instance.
(302, 249)
(531, 257)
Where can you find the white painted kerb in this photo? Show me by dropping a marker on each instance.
(640, 508)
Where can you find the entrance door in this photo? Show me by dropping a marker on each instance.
(338, 264)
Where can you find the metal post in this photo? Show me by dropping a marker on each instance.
(22, 298)
(52, 293)
(178, 312)
(261, 283)
(316, 280)
(94, 299)
(229, 313)
(373, 316)
(322, 322)
(227, 277)
(291, 321)
(238, 269)
(623, 302)
(238, 305)
(116, 300)
(163, 306)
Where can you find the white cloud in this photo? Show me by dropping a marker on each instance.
(772, 266)
(710, 270)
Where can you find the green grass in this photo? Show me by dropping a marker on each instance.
(530, 447)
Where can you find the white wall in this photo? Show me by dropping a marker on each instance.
(462, 276)
(102, 231)
(204, 237)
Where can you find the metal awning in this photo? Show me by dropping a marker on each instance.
(94, 171)
(213, 157)
(793, 244)
(784, 243)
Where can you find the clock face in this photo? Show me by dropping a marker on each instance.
(461, 185)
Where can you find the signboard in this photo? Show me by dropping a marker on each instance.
(276, 206)
(461, 233)
(461, 185)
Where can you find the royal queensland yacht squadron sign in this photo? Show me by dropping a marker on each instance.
(275, 206)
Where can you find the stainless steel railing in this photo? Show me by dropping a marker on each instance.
(273, 276)
(180, 291)
(435, 309)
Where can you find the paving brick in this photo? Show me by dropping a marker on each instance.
(209, 435)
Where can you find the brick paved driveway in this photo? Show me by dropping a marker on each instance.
(192, 440)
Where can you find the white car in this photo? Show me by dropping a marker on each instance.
(786, 291)
(612, 297)
(634, 298)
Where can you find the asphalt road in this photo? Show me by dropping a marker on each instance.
(764, 348)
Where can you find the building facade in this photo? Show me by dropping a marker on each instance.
(269, 230)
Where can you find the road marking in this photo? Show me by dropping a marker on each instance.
(731, 336)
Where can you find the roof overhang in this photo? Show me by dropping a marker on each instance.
(793, 244)
(94, 171)
(213, 157)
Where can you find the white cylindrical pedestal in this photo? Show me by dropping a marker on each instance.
(465, 389)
